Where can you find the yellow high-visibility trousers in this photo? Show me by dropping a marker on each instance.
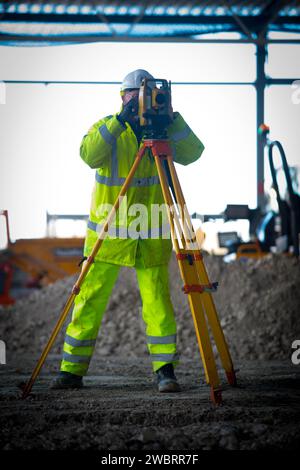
(90, 305)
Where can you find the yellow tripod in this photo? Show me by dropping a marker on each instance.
(196, 282)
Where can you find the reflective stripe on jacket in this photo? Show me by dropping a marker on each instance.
(110, 148)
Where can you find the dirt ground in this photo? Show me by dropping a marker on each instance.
(120, 409)
(258, 303)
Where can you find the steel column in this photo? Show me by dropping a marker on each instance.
(260, 108)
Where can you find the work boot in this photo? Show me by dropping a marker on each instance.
(66, 380)
(166, 379)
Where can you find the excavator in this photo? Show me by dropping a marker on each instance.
(35, 262)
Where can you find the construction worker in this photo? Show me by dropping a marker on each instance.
(110, 147)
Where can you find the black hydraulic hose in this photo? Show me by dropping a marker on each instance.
(286, 170)
(292, 196)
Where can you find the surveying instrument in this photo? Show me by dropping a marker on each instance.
(155, 114)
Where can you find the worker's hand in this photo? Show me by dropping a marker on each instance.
(130, 110)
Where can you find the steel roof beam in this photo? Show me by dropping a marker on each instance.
(250, 22)
(80, 39)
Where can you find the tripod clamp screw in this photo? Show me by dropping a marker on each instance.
(188, 288)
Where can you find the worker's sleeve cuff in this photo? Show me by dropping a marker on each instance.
(115, 127)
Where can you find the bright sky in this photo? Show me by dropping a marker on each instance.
(41, 127)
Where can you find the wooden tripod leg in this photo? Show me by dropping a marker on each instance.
(207, 300)
(189, 275)
(215, 325)
(187, 223)
(85, 268)
(168, 200)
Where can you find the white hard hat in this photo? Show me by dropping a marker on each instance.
(134, 79)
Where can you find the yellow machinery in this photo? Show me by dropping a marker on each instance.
(250, 250)
(45, 260)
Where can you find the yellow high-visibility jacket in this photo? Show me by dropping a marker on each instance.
(110, 148)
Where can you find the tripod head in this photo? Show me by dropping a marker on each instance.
(155, 109)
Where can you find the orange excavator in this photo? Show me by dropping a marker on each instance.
(40, 261)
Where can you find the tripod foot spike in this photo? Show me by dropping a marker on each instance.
(26, 391)
(231, 377)
(216, 396)
(24, 395)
